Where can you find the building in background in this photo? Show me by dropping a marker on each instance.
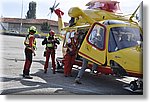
(13, 24)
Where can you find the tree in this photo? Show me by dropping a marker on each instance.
(45, 27)
(31, 14)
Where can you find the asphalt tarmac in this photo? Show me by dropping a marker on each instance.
(12, 82)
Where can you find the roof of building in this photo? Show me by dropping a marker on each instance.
(29, 21)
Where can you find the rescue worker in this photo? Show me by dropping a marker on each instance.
(30, 46)
(50, 42)
(70, 56)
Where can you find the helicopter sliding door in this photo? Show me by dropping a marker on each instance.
(93, 46)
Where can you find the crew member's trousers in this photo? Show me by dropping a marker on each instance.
(84, 67)
(68, 64)
(48, 53)
(28, 61)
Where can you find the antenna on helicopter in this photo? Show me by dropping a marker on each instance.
(134, 13)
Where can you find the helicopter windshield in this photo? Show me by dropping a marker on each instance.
(124, 37)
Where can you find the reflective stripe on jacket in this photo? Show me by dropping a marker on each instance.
(30, 41)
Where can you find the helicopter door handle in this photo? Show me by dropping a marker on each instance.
(88, 47)
(117, 57)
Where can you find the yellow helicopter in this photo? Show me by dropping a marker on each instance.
(107, 38)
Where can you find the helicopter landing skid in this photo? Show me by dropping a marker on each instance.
(127, 87)
(134, 86)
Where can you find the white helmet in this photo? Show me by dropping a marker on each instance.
(32, 28)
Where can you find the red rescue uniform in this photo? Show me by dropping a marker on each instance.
(30, 44)
(69, 58)
(50, 42)
(48, 53)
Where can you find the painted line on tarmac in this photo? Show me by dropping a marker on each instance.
(76, 88)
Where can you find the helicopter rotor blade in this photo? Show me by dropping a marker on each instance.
(56, 5)
(48, 13)
(53, 7)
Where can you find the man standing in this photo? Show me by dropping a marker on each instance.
(70, 56)
(30, 45)
(50, 42)
(82, 70)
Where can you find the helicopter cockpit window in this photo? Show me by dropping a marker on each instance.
(96, 36)
(123, 37)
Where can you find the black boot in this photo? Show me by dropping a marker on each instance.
(26, 74)
(45, 71)
(54, 72)
(77, 80)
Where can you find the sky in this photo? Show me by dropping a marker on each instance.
(13, 8)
